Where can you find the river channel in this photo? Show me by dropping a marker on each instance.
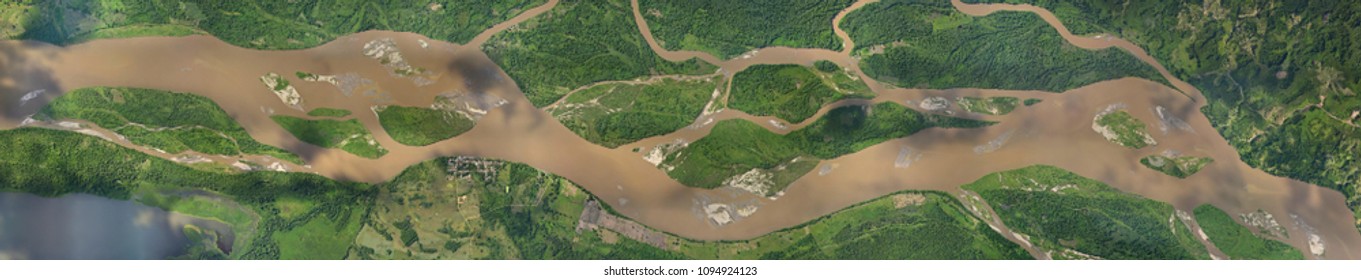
(1057, 131)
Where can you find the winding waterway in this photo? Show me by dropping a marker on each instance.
(1056, 131)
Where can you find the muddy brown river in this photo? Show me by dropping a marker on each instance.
(1057, 131)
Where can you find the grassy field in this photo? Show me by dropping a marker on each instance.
(514, 211)
(1279, 86)
(348, 135)
(203, 204)
(1064, 212)
(415, 126)
(730, 28)
(579, 43)
(849, 129)
(497, 210)
(202, 244)
(841, 79)
(141, 30)
(51, 163)
(293, 207)
(726, 152)
(616, 114)
(1237, 241)
(903, 225)
(170, 121)
(255, 23)
(997, 105)
(1065, 11)
(1128, 130)
(325, 236)
(1278, 79)
(792, 92)
(509, 210)
(13, 15)
(506, 211)
(1179, 167)
(329, 112)
(928, 44)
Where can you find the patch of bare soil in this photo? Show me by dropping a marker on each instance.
(907, 199)
(593, 217)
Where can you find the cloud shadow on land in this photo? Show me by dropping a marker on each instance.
(481, 76)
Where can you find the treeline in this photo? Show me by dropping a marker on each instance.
(732, 147)
(417, 126)
(849, 129)
(788, 91)
(1239, 242)
(267, 24)
(1089, 217)
(1129, 131)
(348, 135)
(527, 205)
(921, 44)
(534, 209)
(627, 127)
(1263, 65)
(1180, 167)
(328, 112)
(628, 113)
(583, 42)
(170, 121)
(52, 163)
(996, 105)
(727, 150)
(539, 214)
(939, 228)
(730, 28)
(337, 208)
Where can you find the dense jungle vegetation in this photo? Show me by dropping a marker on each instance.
(711, 25)
(1279, 76)
(576, 44)
(260, 24)
(929, 44)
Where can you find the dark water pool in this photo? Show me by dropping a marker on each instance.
(81, 226)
